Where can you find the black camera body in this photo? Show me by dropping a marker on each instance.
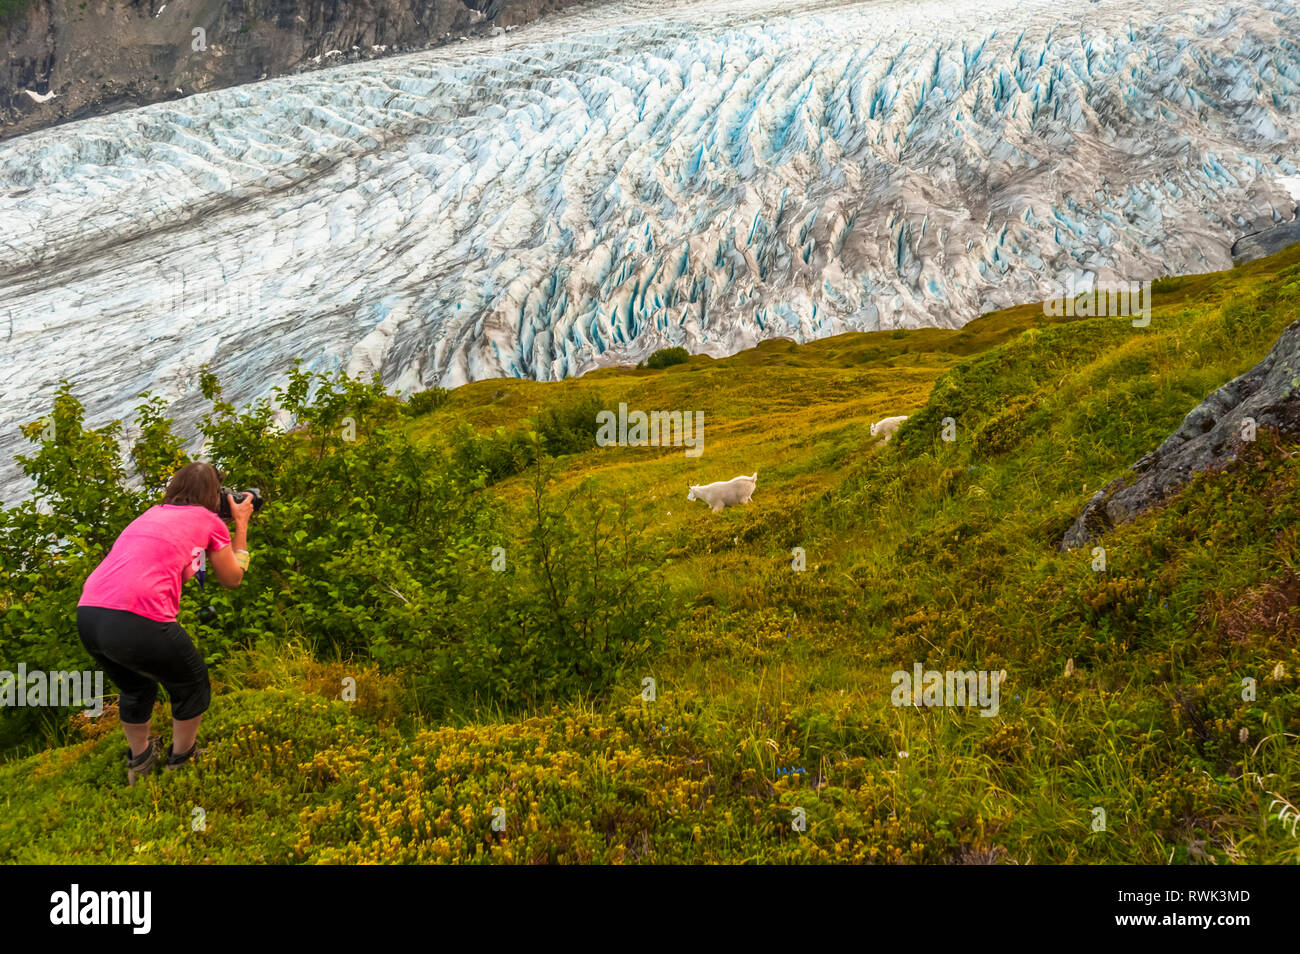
(238, 495)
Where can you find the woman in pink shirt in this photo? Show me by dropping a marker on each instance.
(127, 612)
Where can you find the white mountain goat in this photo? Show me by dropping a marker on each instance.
(887, 426)
(725, 493)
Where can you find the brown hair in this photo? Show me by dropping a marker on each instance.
(197, 484)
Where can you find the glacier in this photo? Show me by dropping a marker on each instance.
(633, 175)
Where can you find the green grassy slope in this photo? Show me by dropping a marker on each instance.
(774, 692)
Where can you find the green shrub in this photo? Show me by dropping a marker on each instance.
(1170, 283)
(563, 607)
(491, 457)
(48, 546)
(424, 402)
(569, 428)
(566, 428)
(666, 357)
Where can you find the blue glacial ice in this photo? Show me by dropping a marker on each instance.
(634, 175)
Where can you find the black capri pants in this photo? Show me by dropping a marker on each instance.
(138, 653)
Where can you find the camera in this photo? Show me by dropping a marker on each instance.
(238, 496)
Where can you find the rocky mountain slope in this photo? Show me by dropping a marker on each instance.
(65, 60)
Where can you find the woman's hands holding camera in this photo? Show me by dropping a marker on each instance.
(240, 512)
(229, 563)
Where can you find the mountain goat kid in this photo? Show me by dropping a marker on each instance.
(725, 493)
(887, 426)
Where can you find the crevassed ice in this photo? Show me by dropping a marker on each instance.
(635, 175)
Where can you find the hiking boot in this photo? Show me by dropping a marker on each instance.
(175, 761)
(146, 763)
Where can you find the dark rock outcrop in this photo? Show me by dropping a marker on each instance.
(1268, 242)
(61, 60)
(1209, 437)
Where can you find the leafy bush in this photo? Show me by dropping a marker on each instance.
(569, 428)
(563, 607)
(424, 402)
(566, 428)
(1170, 283)
(666, 357)
(48, 546)
(490, 458)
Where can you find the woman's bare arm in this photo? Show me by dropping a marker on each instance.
(224, 566)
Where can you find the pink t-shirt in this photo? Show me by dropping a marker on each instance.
(151, 558)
